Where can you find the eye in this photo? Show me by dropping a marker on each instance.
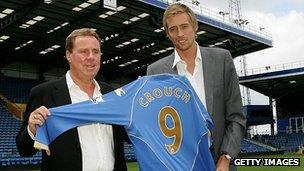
(172, 29)
(185, 26)
(83, 51)
(96, 51)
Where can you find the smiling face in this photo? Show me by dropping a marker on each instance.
(84, 57)
(180, 31)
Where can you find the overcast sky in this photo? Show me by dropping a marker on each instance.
(283, 19)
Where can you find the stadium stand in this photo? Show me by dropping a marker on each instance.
(15, 89)
(288, 142)
(248, 146)
(9, 127)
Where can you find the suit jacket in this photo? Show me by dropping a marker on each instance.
(223, 97)
(66, 151)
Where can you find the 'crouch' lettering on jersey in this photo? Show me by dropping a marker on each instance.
(157, 93)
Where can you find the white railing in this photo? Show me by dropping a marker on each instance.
(272, 68)
(222, 18)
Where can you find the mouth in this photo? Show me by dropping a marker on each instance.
(181, 41)
(90, 66)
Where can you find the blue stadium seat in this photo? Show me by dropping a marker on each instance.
(288, 142)
(9, 127)
(249, 147)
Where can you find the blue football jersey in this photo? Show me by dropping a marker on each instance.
(164, 118)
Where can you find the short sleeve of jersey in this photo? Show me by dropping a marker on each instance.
(113, 108)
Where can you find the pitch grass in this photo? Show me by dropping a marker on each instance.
(133, 166)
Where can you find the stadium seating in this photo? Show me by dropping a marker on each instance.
(288, 142)
(15, 89)
(9, 127)
(248, 146)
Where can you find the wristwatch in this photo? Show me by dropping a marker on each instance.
(227, 155)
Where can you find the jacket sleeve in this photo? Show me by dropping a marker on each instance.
(23, 140)
(234, 116)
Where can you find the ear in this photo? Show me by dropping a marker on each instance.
(167, 34)
(68, 55)
(196, 28)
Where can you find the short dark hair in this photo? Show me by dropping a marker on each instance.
(69, 42)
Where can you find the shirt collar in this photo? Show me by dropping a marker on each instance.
(71, 83)
(177, 58)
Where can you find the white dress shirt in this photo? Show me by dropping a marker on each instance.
(96, 140)
(197, 79)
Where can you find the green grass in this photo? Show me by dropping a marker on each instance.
(133, 166)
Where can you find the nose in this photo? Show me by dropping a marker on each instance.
(180, 32)
(90, 55)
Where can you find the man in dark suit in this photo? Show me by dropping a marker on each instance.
(212, 74)
(89, 147)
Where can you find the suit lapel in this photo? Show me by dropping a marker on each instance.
(169, 65)
(61, 93)
(208, 70)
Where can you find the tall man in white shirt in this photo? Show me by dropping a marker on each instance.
(212, 74)
(91, 147)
